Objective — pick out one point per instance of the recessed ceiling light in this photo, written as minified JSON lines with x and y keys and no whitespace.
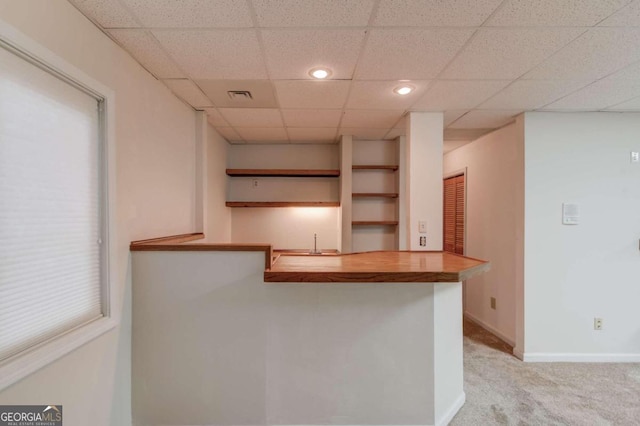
{"x":405,"y":89}
{"x":320,"y":73}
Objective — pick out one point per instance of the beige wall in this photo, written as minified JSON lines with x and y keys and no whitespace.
{"x":494,"y":212}
{"x":154,"y":137}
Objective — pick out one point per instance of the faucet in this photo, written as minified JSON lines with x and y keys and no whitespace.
{"x":315,"y":245}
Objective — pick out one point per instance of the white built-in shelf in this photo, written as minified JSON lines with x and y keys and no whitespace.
{"x":390,"y":167}
{"x":374,"y":223}
{"x":282,"y":173}
{"x":375,"y":195}
{"x":283,"y":204}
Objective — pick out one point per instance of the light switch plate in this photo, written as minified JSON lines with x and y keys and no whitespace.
{"x":570,"y":214}
{"x":422,"y":227}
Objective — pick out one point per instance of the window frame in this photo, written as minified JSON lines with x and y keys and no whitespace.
{"x":29,"y":361}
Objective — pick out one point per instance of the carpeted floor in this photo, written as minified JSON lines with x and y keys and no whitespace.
{"x":502,"y":390}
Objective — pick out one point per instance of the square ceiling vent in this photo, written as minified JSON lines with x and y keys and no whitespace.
{"x":239,"y":93}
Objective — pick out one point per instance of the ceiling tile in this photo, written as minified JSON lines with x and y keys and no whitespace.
{"x":402,"y":123}
{"x":191,"y":13}
{"x":530,"y":94}
{"x":415,"y":54}
{"x":188,"y":92}
{"x":107,"y":13}
{"x":252,"y":117}
{"x":594,"y":55}
{"x":219,"y":54}
{"x":215,"y":118}
{"x":453,"y":115}
{"x":312,"y":94}
{"x":313,"y":13}
{"x":380,"y":94}
{"x":229,"y":134}
{"x":312,"y":134}
{"x":501,"y":53}
{"x":631,"y":105}
{"x":365,"y":133}
{"x":477,"y":119}
{"x":146,"y":49}
{"x":599,"y":95}
{"x":394,"y":133}
{"x":553,"y":13}
{"x":375,"y":119}
{"x":631,"y":72}
{"x":458,"y":94}
{"x":292,"y":53}
{"x":262,"y":95}
{"x":311,"y":117}
{"x":626,"y":17}
{"x":434,"y":13}
{"x":263,"y":134}
{"x":464,"y":135}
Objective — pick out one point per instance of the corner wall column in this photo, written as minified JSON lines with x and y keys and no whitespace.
{"x":200,"y":189}
{"x":423,"y":179}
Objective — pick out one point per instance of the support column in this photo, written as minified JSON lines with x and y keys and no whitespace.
{"x":423,"y":178}
{"x":200,"y":196}
{"x":346,"y":164}
{"x":403,"y":214}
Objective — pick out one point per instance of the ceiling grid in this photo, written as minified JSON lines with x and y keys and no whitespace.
{"x":480,"y":62}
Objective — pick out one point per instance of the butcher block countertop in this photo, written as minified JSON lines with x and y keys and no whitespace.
{"x":330,"y":267}
{"x":377,"y":266}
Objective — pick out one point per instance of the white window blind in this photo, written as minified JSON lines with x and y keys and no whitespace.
{"x":50,"y":206}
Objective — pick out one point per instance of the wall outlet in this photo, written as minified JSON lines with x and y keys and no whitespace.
{"x":254,"y":183}
{"x":423,"y":241}
{"x":493,"y":303}
{"x":597,"y":323}
{"x":635,"y":157}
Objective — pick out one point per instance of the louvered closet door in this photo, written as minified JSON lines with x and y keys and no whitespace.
{"x":453,"y":238}
{"x":459,"y":244}
{"x":449,"y":242}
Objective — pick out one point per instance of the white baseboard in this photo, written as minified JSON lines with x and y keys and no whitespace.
{"x":452,"y":411}
{"x":489,"y":328}
{"x":578,"y":357}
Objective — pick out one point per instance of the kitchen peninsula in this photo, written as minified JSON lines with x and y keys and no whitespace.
{"x":246,"y":337}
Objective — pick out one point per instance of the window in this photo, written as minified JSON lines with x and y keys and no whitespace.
{"x":54,"y":254}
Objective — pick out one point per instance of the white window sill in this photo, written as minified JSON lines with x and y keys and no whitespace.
{"x":22,"y":365}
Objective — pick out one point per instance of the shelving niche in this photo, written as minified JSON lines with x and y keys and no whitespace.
{"x":375,"y":196}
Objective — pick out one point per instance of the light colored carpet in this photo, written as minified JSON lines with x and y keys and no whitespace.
{"x":502,"y":390}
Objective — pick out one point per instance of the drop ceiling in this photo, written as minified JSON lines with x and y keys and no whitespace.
{"x":481,"y":62}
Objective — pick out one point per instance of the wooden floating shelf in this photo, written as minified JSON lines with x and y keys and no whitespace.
{"x":374,"y":223}
{"x":375,"y":167}
{"x":282,"y":204}
{"x":283,"y":173}
{"x":375,"y":194}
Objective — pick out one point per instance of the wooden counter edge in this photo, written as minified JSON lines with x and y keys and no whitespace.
{"x":172,"y":239}
{"x":382,"y":276}
{"x":361,"y":277}
{"x":176,"y":243}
